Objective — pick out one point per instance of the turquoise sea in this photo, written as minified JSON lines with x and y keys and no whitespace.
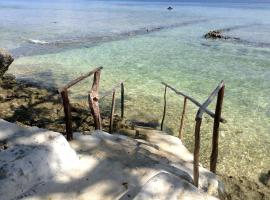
{"x":55,"y":41}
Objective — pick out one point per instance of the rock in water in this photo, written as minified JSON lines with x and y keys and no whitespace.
{"x":265,"y":178}
{"x":5,"y":60}
{"x":218,"y":34}
{"x":214,"y":35}
{"x":169,"y":8}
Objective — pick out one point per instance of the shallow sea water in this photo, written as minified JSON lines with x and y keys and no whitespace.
{"x":179,"y":56}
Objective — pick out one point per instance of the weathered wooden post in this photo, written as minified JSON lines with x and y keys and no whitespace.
{"x":182,"y":119}
{"x":197,"y":151}
{"x":214,"y":154}
{"x":112,"y":111}
{"x":164,"y":110}
{"x":67,"y":111}
{"x":93,"y":101}
{"x":122,"y":100}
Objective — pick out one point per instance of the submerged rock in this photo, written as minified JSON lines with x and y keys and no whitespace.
{"x":215,"y":35}
{"x":218,"y":34}
{"x":5,"y":60}
{"x":265,"y":178}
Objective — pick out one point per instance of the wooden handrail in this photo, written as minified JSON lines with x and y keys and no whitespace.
{"x":214,"y":154}
{"x":211,"y":97}
{"x":112,"y":112}
{"x":164,"y":108}
{"x":112,"y":92}
{"x":180,"y":135}
{"x":218,"y":91}
{"x":77,"y":80}
{"x":93,"y":101}
{"x":210,"y":113}
{"x":196,"y":153}
{"x":67,"y":111}
{"x":122,"y":100}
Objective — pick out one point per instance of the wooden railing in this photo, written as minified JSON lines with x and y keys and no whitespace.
{"x":219,"y":91}
{"x":112,"y":92}
{"x":92,"y":98}
{"x":93,"y":101}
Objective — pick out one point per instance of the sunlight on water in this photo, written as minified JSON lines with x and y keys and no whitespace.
{"x":184,"y":59}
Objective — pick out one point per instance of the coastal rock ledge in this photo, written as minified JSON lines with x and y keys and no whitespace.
{"x":5,"y":60}
{"x":40,"y":164}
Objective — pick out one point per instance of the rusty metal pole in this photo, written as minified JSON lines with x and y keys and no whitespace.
{"x":214,"y":154}
{"x":182,"y":123}
{"x":67,"y":111}
{"x":197,"y":152}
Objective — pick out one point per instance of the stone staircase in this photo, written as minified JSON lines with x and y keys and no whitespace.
{"x":149,"y":164}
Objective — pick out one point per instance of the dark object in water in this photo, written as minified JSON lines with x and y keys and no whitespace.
{"x":169,"y":8}
{"x":265,"y":178}
{"x":3,"y":145}
{"x":215,"y":35}
{"x":151,"y":124}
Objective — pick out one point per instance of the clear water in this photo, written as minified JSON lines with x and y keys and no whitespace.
{"x":84,"y":34}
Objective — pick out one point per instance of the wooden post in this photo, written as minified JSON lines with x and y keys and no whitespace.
{"x":122,"y":100}
{"x":197,"y":152}
{"x":182,"y":119}
{"x":164,"y":110}
{"x":93,"y":101}
{"x":112,"y":111}
{"x":214,"y":154}
{"x":67,"y":111}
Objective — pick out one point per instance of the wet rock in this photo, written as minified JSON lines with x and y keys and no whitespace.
{"x":215,"y":35}
{"x":169,"y":8}
{"x":265,"y":178}
{"x":3,"y":145}
{"x":218,"y":34}
{"x":5,"y":60}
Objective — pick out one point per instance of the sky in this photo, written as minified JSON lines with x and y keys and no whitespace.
{"x":207,"y":1}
